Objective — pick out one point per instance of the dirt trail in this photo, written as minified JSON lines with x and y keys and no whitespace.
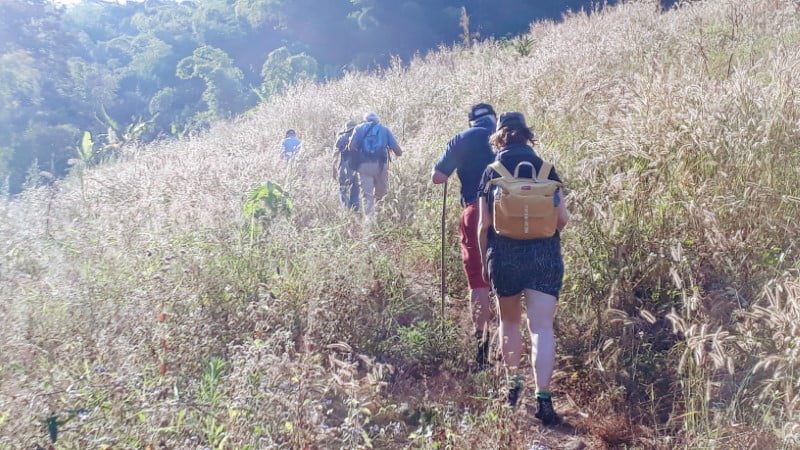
{"x":479,"y":392}
{"x":457,"y":392}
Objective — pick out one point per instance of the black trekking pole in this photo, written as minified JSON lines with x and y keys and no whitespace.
{"x":444,"y":272}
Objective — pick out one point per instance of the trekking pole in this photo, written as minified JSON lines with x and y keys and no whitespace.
{"x":444,"y":272}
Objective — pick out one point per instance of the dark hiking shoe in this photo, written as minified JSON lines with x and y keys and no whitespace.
{"x":514,"y":391}
{"x":546,"y":413}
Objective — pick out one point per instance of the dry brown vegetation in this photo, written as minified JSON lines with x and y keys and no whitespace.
{"x":143,"y":308}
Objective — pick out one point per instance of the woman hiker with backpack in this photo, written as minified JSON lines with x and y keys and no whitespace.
{"x":520,"y":248}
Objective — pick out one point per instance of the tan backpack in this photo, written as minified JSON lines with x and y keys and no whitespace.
{"x":524,"y":208}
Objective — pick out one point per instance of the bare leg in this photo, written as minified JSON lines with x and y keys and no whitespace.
{"x":541,"y":313}
{"x":481,"y":309}
{"x":510,"y":309}
{"x":481,"y":314}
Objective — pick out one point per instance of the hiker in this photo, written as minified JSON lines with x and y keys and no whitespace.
{"x":347,"y":175}
{"x":371,"y":143}
{"x":290,"y":145}
{"x":519,"y":266}
{"x":468,"y":153}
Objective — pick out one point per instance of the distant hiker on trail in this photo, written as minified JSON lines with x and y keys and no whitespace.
{"x":347,"y":175}
{"x":290,"y":145}
{"x":469,"y":153}
{"x":521,"y":218}
{"x":371,"y":143}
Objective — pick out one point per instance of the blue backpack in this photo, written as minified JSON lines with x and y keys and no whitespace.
{"x":374,"y":142}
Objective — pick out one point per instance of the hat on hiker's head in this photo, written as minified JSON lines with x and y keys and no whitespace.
{"x":480,"y":110}
{"x":511,"y":120}
{"x":349,"y":125}
{"x":371,"y":117}
{"x":290,"y":132}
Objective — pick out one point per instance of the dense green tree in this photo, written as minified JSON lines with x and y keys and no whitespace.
{"x":20,"y":90}
{"x":224,"y":93}
{"x":34,"y":110}
{"x":102,"y":20}
{"x":216,"y":23}
{"x":170,"y":21}
{"x":47,"y":148}
{"x":282,"y":68}
{"x":34,"y":26}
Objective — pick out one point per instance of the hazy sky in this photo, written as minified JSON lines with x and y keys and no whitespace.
{"x":72,"y":2}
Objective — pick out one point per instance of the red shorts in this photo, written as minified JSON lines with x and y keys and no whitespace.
{"x":470,"y":251}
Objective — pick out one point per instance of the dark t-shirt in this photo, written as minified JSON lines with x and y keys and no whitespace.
{"x":468,"y":153}
{"x":342,"y":140}
{"x":510,"y":157}
{"x":346,"y":157}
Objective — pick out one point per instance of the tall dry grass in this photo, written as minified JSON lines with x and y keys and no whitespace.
{"x":140,"y":308}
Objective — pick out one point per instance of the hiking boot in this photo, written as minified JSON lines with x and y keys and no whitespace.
{"x":514,"y":391}
{"x":546,"y":413}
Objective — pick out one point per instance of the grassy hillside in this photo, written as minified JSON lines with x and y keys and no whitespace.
{"x":146,"y":303}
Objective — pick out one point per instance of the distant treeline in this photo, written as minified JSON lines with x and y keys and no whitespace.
{"x":141,"y":70}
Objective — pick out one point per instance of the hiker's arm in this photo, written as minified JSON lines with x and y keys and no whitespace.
{"x":446,"y":164}
{"x":341,"y":143}
{"x":483,"y":234}
{"x":563,"y":215}
{"x":351,"y":143}
{"x":393,"y":145}
{"x":438,"y":177}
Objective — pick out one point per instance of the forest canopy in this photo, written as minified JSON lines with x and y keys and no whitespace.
{"x":140,"y":70}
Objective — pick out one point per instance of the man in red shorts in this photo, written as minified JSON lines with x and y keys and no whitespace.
{"x":469,"y":153}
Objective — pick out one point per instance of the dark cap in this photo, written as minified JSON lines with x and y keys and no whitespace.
{"x":514,"y":120}
{"x":480,"y":110}
{"x":349,"y":125}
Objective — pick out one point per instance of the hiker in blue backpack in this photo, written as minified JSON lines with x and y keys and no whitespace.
{"x":347,"y":175}
{"x":371,"y":143}
{"x":516,"y":267}
{"x":468,"y":153}
{"x":290,"y":145}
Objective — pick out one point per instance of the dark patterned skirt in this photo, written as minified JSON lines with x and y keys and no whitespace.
{"x":515,"y":265}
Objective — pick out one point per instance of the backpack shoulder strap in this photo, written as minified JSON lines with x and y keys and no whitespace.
{"x":498,"y":167}
{"x":544,"y":171}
